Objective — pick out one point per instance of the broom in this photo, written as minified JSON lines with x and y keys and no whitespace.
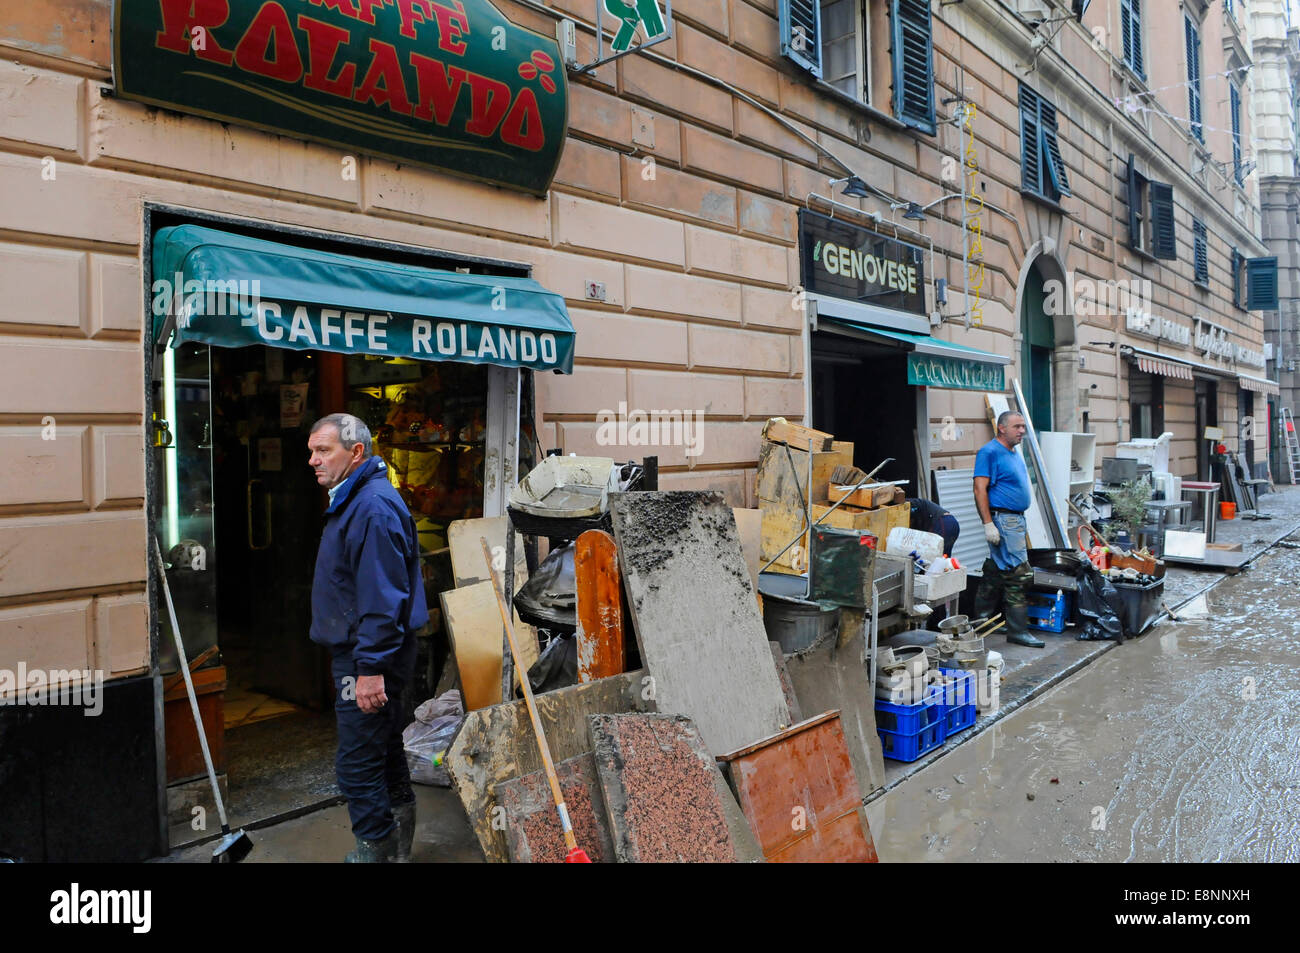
{"x":576,"y":854}
{"x":233,"y":847}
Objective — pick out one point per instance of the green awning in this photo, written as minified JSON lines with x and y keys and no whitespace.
{"x":935,"y":363}
{"x":236,"y":291}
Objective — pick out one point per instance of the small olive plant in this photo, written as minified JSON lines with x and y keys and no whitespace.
{"x":1129,"y":506}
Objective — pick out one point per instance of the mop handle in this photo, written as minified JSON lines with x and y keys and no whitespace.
{"x":189,"y":688}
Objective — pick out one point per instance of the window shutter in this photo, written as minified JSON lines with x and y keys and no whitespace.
{"x":1031,"y":173}
{"x":1261,"y":284}
{"x":1054,"y":164}
{"x":1200,"y":252}
{"x":800,"y":22}
{"x":1163,"y":243}
{"x":913,"y":55}
{"x":1194,"y":78}
{"x":1237,"y":259}
{"x":1234,"y":99}
{"x":1134,"y":196}
{"x":1126,"y":30}
{"x":1135,"y":20}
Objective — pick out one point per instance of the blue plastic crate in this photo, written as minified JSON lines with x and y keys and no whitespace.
{"x":900,"y":747}
{"x":1049,"y":613}
{"x":958,"y":701}
{"x":909,"y":719}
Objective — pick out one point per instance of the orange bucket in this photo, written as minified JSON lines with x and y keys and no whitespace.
{"x":1227,"y":511}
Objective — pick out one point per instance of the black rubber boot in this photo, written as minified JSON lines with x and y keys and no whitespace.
{"x":1018,"y":628}
{"x":374,"y":851}
{"x":404,"y":814}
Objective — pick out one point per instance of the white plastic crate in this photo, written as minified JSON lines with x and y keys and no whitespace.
{"x":941,"y":585}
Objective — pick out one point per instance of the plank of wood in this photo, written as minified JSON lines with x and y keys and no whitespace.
{"x":780,"y":430}
{"x":473,"y":621}
{"x":777,"y":482}
{"x":868,"y":497}
{"x":796,"y":789}
{"x":695,"y":615}
{"x":497,"y":744}
{"x":660,"y":794}
{"x":467,"y":563}
{"x":780,"y":523}
{"x":532,"y":826}
{"x":599,"y":606}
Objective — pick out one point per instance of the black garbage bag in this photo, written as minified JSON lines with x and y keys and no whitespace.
{"x":1101,"y":605}
{"x":557,"y":667}
{"x":549,"y":598}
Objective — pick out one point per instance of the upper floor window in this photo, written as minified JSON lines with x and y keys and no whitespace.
{"x":1130,"y":22}
{"x":1200,"y":253}
{"x":1042,"y":170}
{"x":831,"y":39}
{"x":1193,"y":36}
{"x":1150,"y":215}
{"x":1234,"y":105}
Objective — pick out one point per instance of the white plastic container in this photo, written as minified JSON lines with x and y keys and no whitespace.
{"x":1148,"y":450}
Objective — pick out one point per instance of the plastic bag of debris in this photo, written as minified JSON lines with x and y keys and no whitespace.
{"x":1101,"y":606}
{"x":428,"y":737}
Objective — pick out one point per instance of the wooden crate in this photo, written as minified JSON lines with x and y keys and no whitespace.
{"x":777,"y":484}
{"x":184,"y":756}
{"x":782,"y":522}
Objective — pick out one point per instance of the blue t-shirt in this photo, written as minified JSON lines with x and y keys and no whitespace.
{"x":1008,"y":478}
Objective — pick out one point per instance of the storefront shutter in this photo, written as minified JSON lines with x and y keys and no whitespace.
{"x":1261,"y":284}
{"x":1237,"y":259}
{"x":1194,"y":78}
{"x":1163,"y":243}
{"x":1234,"y":100}
{"x":1134,"y":197}
{"x":1200,"y":252}
{"x":913,"y":56}
{"x":1031,"y":172}
{"x":800,"y":22}
{"x":1054,"y":163}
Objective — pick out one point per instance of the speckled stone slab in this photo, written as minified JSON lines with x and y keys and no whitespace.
{"x":660,"y":789}
{"x":533,"y":832}
{"x":696,"y":616}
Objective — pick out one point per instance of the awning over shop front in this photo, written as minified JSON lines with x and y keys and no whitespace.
{"x":1260,"y":385}
{"x":1156,"y":365}
{"x":235,"y":291}
{"x":1166,"y":365}
{"x":935,"y":363}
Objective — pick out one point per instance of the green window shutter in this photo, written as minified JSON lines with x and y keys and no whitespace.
{"x":1031,"y":156}
{"x":1053,"y":163}
{"x":913,"y":61}
{"x":800,"y":23}
{"x":1261,"y":284}
{"x":1134,"y":197}
{"x":1163,"y":242}
{"x":1237,"y":259}
{"x":1200,"y":252}
{"x":1234,"y":102}
{"x":1130,"y":18}
{"x":1193,"y":78}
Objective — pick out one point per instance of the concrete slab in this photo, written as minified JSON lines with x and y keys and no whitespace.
{"x":696,"y":615}
{"x":660,"y":788}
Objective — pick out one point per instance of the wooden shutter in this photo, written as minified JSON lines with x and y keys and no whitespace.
{"x":1053,"y":163}
{"x":1200,"y":252}
{"x":800,"y":23}
{"x":1194,"y":78}
{"x":1237,"y":259}
{"x":913,"y":61}
{"x":1163,"y":243}
{"x":1130,"y":21}
{"x":1234,"y":100}
{"x":1134,"y":197}
{"x":1031,"y":165}
{"x":1261,"y":284}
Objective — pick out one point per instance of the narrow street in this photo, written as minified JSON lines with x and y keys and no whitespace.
{"x":1180,"y":746}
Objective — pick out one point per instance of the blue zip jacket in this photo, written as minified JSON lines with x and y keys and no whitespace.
{"x":368,"y":592}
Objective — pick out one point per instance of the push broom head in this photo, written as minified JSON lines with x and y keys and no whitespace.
{"x":232,"y":848}
{"x":577,"y":856}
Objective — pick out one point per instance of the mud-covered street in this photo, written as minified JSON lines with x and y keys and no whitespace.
{"x":1183,"y":745}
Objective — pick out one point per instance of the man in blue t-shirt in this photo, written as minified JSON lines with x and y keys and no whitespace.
{"x":1002,"y":496}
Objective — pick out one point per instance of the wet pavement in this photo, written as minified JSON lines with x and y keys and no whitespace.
{"x":1179,"y":746}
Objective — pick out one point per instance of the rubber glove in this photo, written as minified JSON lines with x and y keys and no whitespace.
{"x":991,"y":534}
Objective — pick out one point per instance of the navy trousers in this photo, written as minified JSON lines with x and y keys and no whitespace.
{"x":371,"y":760}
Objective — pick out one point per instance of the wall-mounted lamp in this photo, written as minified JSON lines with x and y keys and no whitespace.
{"x":853,"y":187}
{"x":914,"y":212}
{"x":1101,"y":343}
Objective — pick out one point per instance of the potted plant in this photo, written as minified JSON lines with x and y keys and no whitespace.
{"x":1129,"y":510}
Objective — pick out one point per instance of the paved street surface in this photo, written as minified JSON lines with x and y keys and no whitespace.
{"x":1184,"y":744}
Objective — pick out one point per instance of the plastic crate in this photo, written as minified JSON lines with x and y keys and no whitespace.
{"x":958,"y":701}
{"x":1049,"y":613}
{"x":1141,"y":604}
{"x":909,"y":719}
{"x":900,"y":747}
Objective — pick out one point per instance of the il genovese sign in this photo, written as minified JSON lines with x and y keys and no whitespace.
{"x":450,"y":84}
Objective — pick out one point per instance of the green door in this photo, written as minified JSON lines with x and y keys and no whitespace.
{"x":1038,"y":342}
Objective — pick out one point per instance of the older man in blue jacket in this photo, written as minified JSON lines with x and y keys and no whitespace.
{"x":367,"y":604}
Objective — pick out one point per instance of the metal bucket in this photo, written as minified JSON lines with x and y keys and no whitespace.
{"x":797,"y":624}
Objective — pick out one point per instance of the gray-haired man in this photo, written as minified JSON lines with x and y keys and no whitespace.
{"x":367,"y":604}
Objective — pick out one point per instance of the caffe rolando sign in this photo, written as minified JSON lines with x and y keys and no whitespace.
{"x":450,"y":84}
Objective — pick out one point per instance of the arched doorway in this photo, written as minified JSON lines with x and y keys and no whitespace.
{"x":1037,"y":347}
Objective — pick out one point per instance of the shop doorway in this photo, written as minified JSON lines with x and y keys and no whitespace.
{"x":860,"y":393}
{"x":1207,"y":415}
{"x":1037,"y":346}
{"x":239,"y":518}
